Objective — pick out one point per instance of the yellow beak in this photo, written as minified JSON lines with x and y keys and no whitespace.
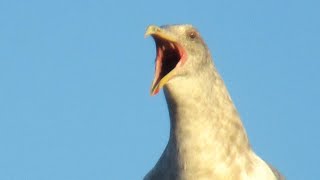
{"x":161,"y":33}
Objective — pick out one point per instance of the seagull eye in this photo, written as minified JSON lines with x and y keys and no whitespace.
{"x":192,"y":34}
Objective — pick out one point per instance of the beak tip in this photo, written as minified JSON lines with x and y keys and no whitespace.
{"x":154,"y":91}
{"x":146,"y":35}
{"x":151,"y":30}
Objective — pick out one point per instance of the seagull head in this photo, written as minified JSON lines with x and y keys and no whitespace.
{"x":181,"y":52}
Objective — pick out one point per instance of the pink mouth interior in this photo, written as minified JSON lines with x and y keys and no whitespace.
{"x":169,"y":56}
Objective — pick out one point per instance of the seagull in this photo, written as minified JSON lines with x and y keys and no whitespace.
{"x":207,"y":138}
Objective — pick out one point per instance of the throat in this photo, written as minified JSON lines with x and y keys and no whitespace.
{"x":205,"y":126}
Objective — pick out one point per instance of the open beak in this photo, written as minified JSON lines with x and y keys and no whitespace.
{"x":170,"y":55}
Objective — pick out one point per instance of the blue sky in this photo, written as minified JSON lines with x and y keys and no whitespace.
{"x":75,"y":79}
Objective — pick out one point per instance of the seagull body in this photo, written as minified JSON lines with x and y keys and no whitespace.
{"x":207,"y":139}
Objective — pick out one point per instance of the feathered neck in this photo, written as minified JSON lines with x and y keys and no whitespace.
{"x":206,"y":131}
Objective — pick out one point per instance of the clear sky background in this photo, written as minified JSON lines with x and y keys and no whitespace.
{"x":75,"y":79}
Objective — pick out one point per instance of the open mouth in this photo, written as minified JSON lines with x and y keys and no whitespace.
{"x":169,"y":56}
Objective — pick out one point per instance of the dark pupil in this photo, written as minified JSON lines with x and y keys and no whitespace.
{"x":192,"y":35}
